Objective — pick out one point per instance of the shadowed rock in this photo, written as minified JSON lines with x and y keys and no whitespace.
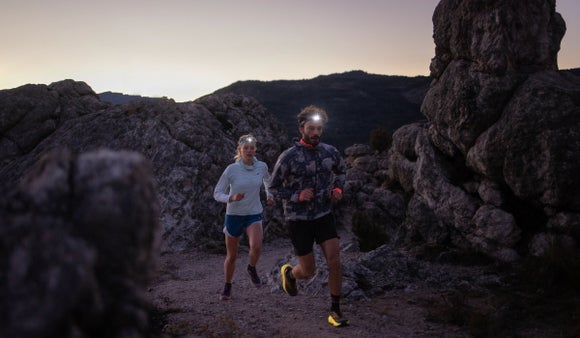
{"x":497,"y":164}
{"x":79,"y":237}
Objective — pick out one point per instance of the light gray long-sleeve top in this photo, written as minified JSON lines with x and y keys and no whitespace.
{"x":246,"y":179}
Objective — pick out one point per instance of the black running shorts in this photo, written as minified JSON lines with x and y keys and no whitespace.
{"x":303,"y":234}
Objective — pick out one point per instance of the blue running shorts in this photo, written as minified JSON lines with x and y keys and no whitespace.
{"x":236,"y":224}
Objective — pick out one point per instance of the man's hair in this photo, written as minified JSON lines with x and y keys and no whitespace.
{"x":309,"y":113}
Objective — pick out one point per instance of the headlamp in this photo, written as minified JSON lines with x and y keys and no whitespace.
{"x":314,"y":117}
{"x":248,"y":139}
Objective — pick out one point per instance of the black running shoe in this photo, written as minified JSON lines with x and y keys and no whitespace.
{"x":288,"y":283}
{"x":254,"y":276}
{"x":337,"y":320}
{"x":227,"y":293}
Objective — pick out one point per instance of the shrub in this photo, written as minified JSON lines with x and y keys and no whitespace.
{"x":380,"y":139}
{"x":367,"y":227}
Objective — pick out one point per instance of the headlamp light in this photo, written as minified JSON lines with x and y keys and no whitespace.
{"x":314,"y":117}
{"x":247,"y":140}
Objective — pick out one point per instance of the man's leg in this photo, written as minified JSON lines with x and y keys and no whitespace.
{"x":289,"y":274}
{"x":305,"y":268}
{"x":331,"y":250}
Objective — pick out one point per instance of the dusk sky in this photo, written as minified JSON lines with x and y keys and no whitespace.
{"x":184,"y":49}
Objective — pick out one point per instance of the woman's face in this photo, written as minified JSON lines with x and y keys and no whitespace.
{"x":247,"y":151}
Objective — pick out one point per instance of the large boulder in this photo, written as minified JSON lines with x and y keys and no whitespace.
{"x":189,"y":145}
{"x":496,"y":166}
{"x":79,"y":239}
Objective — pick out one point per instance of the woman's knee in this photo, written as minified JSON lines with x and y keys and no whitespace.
{"x":231,"y":257}
{"x":256,"y":249}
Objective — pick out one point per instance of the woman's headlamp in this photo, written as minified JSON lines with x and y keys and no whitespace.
{"x":248,"y":139}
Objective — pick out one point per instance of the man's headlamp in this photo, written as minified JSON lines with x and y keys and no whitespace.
{"x":314,"y":117}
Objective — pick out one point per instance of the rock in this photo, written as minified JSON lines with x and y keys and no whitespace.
{"x":79,"y":240}
{"x":188,"y":144}
{"x":497,"y":161}
{"x":544,"y":244}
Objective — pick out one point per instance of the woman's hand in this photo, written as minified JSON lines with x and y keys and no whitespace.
{"x":237,"y":197}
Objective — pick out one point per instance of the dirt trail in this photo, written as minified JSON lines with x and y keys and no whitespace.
{"x":186,"y":293}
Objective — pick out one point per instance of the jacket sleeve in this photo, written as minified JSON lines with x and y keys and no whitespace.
{"x":267,"y":179}
{"x":221,"y":190}
{"x":278,"y":182}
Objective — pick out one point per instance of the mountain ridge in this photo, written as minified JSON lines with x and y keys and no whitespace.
{"x":356,"y":101}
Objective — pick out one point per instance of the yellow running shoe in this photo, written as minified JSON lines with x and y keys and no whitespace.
{"x":337,"y":320}
{"x":288,"y":283}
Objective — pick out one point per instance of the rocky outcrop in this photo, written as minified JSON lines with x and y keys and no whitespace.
{"x":79,"y":238}
{"x":188,"y":144}
{"x":495,"y":168}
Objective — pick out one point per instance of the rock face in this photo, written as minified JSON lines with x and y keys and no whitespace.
{"x":189,"y":145}
{"x":78,"y":243}
{"x":496,"y":167}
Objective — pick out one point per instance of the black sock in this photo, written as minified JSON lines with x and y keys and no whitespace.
{"x":251,"y":268}
{"x":335,"y":305}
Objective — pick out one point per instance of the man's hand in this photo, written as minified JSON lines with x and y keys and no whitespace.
{"x":336,"y":194}
{"x":306,"y":195}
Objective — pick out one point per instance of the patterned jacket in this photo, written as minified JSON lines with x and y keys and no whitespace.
{"x":302,"y":166}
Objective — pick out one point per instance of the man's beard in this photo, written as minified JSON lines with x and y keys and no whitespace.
{"x":312,"y":140}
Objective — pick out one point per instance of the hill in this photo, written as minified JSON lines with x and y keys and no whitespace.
{"x":357,"y":102}
{"x":120,"y":98}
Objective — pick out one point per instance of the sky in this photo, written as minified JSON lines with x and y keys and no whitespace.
{"x":184,"y":49}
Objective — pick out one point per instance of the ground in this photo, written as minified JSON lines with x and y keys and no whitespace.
{"x":185,"y":294}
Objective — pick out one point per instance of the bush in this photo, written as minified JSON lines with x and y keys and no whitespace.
{"x":367,"y":227}
{"x":380,"y":139}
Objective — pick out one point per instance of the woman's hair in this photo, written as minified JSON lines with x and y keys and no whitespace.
{"x":311,"y":113}
{"x":248,"y":138}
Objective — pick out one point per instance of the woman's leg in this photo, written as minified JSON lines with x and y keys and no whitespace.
{"x":232,"y":244}
{"x":255,"y":237}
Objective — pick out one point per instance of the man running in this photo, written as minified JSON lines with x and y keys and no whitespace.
{"x":308,"y":177}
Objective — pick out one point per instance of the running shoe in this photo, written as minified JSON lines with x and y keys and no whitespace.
{"x":337,"y":320}
{"x":288,"y":283}
{"x":254,"y":276}
{"x":227,"y":293}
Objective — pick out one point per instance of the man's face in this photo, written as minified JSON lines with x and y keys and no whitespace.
{"x":311,"y":131}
